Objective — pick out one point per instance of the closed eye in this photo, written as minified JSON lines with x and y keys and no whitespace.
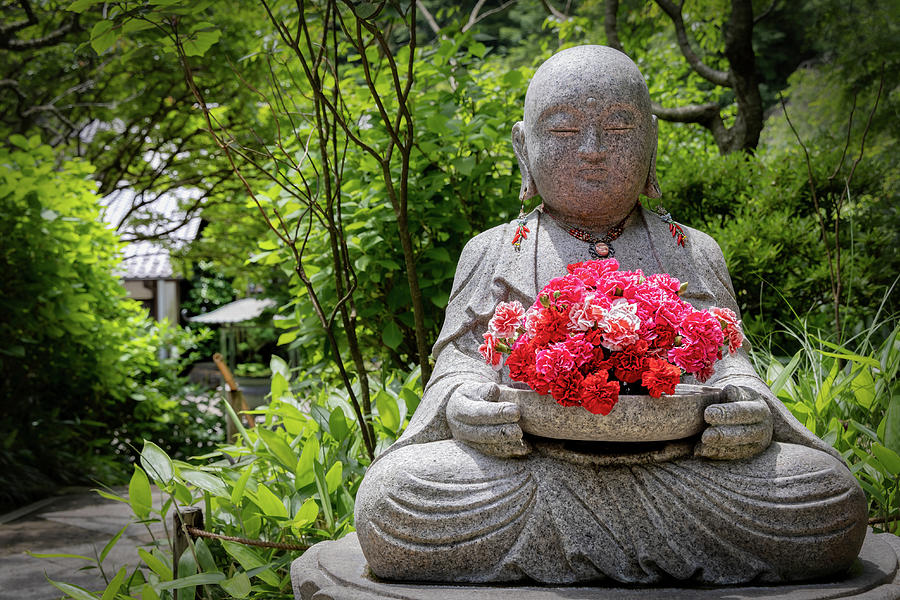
{"x":564,"y":132}
{"x":618,"y":128}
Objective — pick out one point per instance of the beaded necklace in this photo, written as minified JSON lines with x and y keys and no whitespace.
{"x":598,"y":247}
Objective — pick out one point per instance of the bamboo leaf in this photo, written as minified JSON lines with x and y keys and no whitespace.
{"x":139,"y":495}
{"x":271,"y":505}
{"x":888,"y":458}
{"x":206,"y":482}
{"x":193,"y":580}
{"x":109,"y":545}
{"x":72,"y":591}
{"x":115,"y":585}
{"x":238,"y":586}
{"x":278,"y":447}
{"x":237,"y":493}
{"x":156,"y":564}
{"x":786,"y":373}
{"x":157,"y":463}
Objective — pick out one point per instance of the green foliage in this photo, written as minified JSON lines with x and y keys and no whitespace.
{"x":292,"y":479}
{"x":81,"y":361}
{"x":849,"y":395}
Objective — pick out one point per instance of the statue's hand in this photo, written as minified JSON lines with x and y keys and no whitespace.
{"x":479,"y":420}
{"x":739,"y":428}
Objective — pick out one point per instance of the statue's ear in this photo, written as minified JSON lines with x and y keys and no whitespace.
{"x":529,"y":188}
{"x":651,"y":187}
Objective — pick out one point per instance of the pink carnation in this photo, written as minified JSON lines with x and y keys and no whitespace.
{"x":620,"y":326}
{"x":553,"y":361}
{"x":488,"y":350}
{"x":731,"y":327}
{"x":506,"y":319}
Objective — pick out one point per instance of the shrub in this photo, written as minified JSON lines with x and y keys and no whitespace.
{"x":82,"y":376}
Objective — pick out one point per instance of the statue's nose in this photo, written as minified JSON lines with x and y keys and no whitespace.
{"x":592,"y":143}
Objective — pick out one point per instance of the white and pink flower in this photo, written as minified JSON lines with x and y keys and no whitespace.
{"x":620,"y":326}
{"x":507,"y":319}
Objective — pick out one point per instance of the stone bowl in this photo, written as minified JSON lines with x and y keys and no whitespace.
{"x":632,"y":419}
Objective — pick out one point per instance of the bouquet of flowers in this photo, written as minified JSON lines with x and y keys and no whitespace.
{"x":598,"y":331}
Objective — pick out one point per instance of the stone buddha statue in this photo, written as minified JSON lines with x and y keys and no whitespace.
{"x":465,"y":496}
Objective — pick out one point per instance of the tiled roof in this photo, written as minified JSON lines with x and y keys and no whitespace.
{"x":235,"y":312}
{"x":146,"y":259}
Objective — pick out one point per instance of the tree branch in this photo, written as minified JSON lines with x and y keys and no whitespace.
{"x":554,"y":11}
{"x":474,"y":17}
{"x":429,"y":18}
{"x":765,"y":13}
{"x":705,"y":71}
{"x":611,"y":24}
{"x":30,"y":19}
{"x":6,"y":43}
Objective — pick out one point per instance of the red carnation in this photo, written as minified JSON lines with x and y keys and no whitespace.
{"x":598,"y":395}
{"x":660,"y":378}
{"x":630,"y":363}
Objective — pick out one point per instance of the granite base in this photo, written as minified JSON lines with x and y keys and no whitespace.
{"x":337,"y":571}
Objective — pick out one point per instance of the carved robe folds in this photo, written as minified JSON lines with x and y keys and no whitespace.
{"x":433,"y":509}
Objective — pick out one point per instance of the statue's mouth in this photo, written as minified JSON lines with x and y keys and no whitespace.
{"x":592,"y":173}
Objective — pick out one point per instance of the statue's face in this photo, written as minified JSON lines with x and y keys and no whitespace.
{"x":589,"y":133}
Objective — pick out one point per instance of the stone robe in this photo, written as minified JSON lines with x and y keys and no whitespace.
{"x":433,"y":509}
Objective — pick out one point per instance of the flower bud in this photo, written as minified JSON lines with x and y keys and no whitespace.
{"x":678,"y":340}
{"x":501,"y":347}
{"x":682,"y":287}
{"x":618,"y":291}
{"x":545,"y":300}
{"x":557,"y":294}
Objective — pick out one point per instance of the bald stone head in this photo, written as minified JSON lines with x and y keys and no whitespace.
{"x":588,"y":141}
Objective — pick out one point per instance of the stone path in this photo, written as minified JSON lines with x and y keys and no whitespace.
{"x":75,"y":523}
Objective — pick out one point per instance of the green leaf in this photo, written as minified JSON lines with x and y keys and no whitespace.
{"x":863,"y":386}
{"x":322,"y":488}
{"x":134,"y":25}
{"x":139,"y":495}
{"x":102,"y":36}
{"x":786,"y":373}
{"x":364,"y":10}
{"x":387,"y":410}
{"x":237,"y":493}
{"x":392,"y":336}
{"x":304,"y":475}
{"x":148,"y":593}
{"x":72,"y":591}
{"x":337,"y":423}
{"x":238,"y":586}
{"x":478,"y":49}
{"x":156,"y":564}
{"x":81,"y":5}
{"x":892,"y":425}
{"x":287,"y":337}
{"x":58,"y":555}
{"x":306,"y":515}
{"x":115,"y":585}
{"x":205,"y":557}
{"x":250,"y":560}
{"x":157,"y":463}
{"x":183,"y":494}
{"x":192,"y":580}
{"x":271,"y":504}
{"x":200,"y":42}
{"x":867,"y":361}
{"x":334,"y":476}
{"x":111,"y":543}
{"x":206,"y":482}
{"x":887,"y":457}
{"x":278,"y":447}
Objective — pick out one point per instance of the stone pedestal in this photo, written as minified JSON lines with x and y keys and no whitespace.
{"x":337,"y":571}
